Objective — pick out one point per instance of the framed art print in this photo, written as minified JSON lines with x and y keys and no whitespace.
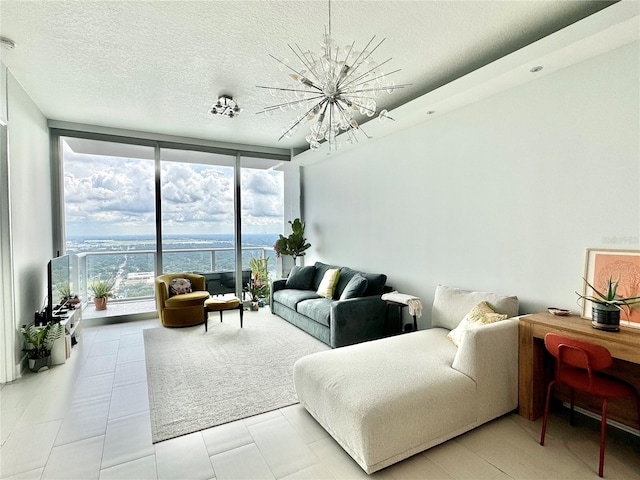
{"x":617,"y":265}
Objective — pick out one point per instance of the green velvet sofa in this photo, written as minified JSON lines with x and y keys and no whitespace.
{"x":354,"y":314}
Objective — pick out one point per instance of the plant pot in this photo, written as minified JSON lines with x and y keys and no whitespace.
{"x":100,"y":303}
{"x":37,"y":364}
{"x":605,"y":317}
{"x":254,"y":306}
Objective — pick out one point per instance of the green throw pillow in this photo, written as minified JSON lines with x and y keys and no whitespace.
{"x":328,"y":283}
{"x":301,"y":278}
{"x":355,"y":288}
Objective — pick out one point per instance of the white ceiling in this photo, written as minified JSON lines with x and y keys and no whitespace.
{"x":158,"y":66}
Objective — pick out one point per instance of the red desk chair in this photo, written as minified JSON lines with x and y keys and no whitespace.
{"x":577,"y":364}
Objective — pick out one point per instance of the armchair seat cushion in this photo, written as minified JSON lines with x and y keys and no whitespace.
{"x":187,"y":299}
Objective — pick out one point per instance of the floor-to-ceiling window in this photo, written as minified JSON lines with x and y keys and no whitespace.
{"x":198,"y":213}
{"x":109,"y":214}
{"x":132,"y":209}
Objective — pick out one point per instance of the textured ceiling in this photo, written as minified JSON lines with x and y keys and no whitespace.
{"x":158,"y":66}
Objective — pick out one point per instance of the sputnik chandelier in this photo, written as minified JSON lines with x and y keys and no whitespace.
{"x":331,"y":89}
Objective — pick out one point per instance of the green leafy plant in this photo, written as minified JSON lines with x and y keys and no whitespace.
{"x":102,"y":288}
{"x":260,"y":273}
{"x":256,"y":291}
{"x":610,"y":297}
{"x":39,"y":340}
{"x":295,"y":244}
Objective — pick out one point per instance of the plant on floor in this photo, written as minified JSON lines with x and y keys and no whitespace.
{"x":39,"y":341}
{"x":101,"y":290}
{"x":260,"y":274}
{"x":295,"y":244}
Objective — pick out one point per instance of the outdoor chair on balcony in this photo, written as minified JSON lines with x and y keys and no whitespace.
{"x":180,"y":303}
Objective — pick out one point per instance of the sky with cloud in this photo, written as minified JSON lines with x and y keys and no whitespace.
{"x":110,"y":195}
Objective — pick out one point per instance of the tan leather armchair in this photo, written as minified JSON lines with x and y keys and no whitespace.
{"x":181,"y":310}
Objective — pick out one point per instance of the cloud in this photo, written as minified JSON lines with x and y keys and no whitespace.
{"x":117,"y":195}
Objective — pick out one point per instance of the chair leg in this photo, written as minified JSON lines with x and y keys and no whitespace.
{"x":572,"y":416}
{"x":220,"y":316}
{"x":206,"y":320}
{"x":241,"y":308}
{"x":603,"y":434}
{"x":546,"y":412}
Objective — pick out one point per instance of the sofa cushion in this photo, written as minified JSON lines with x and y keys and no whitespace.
{"x":290,"y":297}
{"x":328,"y":283}
{"x":481,"y":314}
{"x":355,"y":288}
{"x":318,"y":309}
{"x":301,"y":278}
{"x":450,"y":305}
{"x":321,"y":269}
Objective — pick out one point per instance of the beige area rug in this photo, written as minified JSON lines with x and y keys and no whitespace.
{"x":198,"y":380}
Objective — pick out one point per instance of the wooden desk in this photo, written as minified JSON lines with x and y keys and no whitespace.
{"x":536,"y":365}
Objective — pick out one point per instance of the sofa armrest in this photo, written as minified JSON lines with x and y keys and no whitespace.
{"x":275,"y":286}
{"x":360,"y":319}
{"x":489,"y":356}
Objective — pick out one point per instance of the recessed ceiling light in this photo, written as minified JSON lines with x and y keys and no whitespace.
{"x":535,"y":69}
{"x":7,"y":43}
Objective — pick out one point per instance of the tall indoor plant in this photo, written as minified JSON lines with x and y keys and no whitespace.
{"x":295,"y":244}
{"x":38,"y":343}
{"x":101,"y":291}
{"x":606,"y":306}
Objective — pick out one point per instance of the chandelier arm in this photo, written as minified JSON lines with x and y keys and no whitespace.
{"x":299,"y":121}
{"x":275,"y":107}
{"x":365,"y":133}
{"x":375,"y":78}
{"x":352,"y":80}
{"x":288,"y":66}
{"x":311,"y":83}
{"x":359,"y":61}
{"x":359,"y":105}
{"x":306,"y":62}
{"x":282,"y":89}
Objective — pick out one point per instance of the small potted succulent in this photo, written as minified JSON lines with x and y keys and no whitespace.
{"x":606,"y":306}
{"x":101,"y":291}
{"x":39,"y":341}
{"x":67,"y":296}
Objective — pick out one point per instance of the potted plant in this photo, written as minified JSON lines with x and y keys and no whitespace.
{"x":67,"y":296}
{"x":39,"y":341}
{"x":260,"y":274}
{"x":255,"y":291}
{"x":295,"y":244}
{"x":606,"y":306}
{"x":101,"y":290}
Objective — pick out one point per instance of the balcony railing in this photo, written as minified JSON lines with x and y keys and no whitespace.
{"x":134,"y":270}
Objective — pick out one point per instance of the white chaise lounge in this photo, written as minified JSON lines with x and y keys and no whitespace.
{"x":388,"y":399}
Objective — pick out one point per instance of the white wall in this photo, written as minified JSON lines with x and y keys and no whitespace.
{"x":30,"y":210}
{"x":503,"y":195}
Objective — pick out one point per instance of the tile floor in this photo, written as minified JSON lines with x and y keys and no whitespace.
{"x":89,"y":419}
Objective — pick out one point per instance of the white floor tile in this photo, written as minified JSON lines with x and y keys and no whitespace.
{"x":84,"y":420}
{"x":183,"y":457}
{"x":140,"y":469}
{"x":99,"y":365}
{"x":226,"y":437}
{"x":30,"y":475}
{"x":128,"y":400}
{"x":461,"y":463}
{"x":127,"y":373}
{"x":127,"y":439}
{"x":283,"y":449}
{"x":45,"y":407}
{"x":28,"y":448}
{"x":99,"y":349}
{"x":133,"y":339}
{"x":241,"y":464}
{"x":262,"y":417}
{"x":95,"y":387}
{"x":130,"y":354}
{"x":314,"y":472}
{"x":302,"y":421}
{"x":75,"y":460}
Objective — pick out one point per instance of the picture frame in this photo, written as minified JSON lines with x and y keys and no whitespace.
{"x":602,"y":264}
